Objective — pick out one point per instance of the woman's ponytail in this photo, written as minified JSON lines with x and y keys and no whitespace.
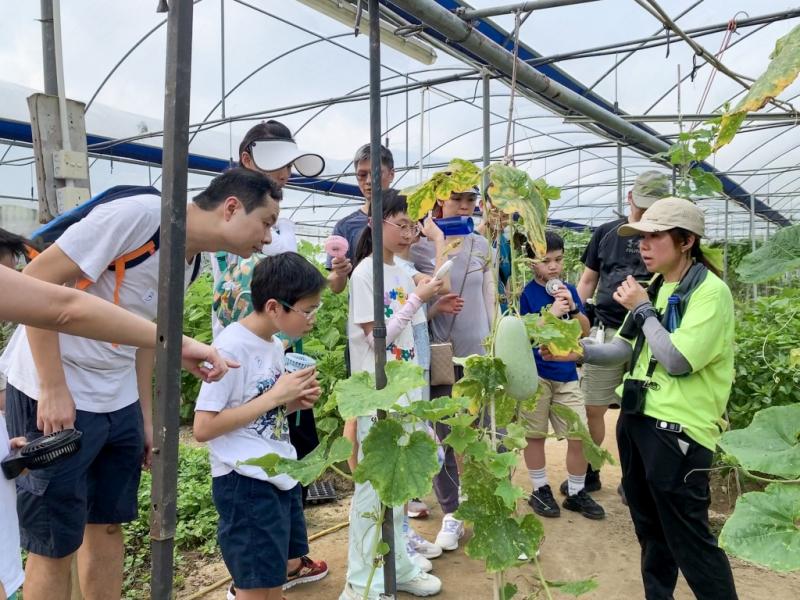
{"x":363,"y":246}
{"x":697,"y":254}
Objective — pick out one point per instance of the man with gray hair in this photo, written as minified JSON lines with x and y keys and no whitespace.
{"x":351,"y":226}
{"x":609,"y":259}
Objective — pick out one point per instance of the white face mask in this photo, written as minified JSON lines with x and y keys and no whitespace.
{"x":507,"y":231}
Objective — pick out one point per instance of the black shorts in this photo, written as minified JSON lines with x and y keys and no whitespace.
{"x":97,"y":485}
{"x":260,"y":528}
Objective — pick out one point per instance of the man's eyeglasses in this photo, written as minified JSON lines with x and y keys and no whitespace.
{"x":408,"y":229}
{"x":308,"y":314}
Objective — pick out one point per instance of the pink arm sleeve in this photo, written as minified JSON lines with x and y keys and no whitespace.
{"x":398,"y":322}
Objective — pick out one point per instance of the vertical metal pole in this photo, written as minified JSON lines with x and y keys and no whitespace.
{"x":487,"y":135}
{"x":421,"y":134}
{"x":725,"y":251}
{"x":48,"y":49}
{"x":752,"y":235}
{"x":379,"y":329}
{"x":406,"y":122}
{"x":619,"y":179}
{"x":222,"y":51}
{"x":172,"y":261}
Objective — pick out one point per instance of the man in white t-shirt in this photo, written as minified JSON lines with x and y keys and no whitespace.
{"x":61,"y":381}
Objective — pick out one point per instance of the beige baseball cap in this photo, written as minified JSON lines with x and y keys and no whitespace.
{"x":649,"y":187}
{"x":667,"y":213}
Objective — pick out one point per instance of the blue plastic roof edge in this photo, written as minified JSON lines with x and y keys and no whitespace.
{"x":732,"y":189}
{"x":21,"y":132}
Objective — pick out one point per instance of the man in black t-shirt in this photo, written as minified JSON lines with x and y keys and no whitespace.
{"x":609,"y":259}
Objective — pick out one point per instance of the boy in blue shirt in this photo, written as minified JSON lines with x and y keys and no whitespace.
{"x":261,"y":523}
{"x":558,"y":382}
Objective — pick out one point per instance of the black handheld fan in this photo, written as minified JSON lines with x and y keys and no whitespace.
{"x":42,"y":452}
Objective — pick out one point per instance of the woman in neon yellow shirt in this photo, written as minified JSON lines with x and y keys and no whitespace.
{"x":678,"y":338}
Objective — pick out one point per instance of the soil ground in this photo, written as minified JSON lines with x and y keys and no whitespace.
{"x":575,"y":548}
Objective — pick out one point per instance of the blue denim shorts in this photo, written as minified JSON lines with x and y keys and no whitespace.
{"x":260,"y":528}
{"x":97,"y":485}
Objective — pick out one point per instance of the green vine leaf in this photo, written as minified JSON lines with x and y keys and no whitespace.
{"x":778,"y":255}
{"x":509,"y":493}
{"x":515,"y":437}
{"x":460,"y":437}
{"x":500,"y":541}
{"x":770,"y":444}
{"x":484,"y":376}
{"x":513,"y":191}
{"x":765,"y":528}
{"x":460,"y":176}
{"x":560,"y":336}
{"x":574,"y":588}
{"x":435,"y":410}
{"x":498,"y":536}
{"x":308,"y":469}
{"x":596,"y":455}
{"x":357,"y":396}
{"x":500,"y":464}
{"x":794,"y":358}
{"x":397,"y":472}
{"x":508,"y":592}
{"x":705,"y":183}
{"x":781,"y":72}
{"x":460,"y":421}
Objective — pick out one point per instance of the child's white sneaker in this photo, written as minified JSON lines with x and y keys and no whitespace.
{"x":423,"y":584}
{"x":452,"y":531}
{"x":420,"y":544}
{"x":417,"y":558}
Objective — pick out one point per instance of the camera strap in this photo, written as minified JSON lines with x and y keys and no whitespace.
{"x":690,"y":281}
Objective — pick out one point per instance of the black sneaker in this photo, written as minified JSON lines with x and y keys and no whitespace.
{"x":584,"y":504}
{"x":591,"y":484}
{"x":543,"y":503}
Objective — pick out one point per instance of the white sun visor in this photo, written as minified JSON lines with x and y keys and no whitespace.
{"x":274,"y":154}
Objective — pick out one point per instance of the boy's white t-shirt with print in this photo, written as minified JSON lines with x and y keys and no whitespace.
{"x":11,"y":573}
{"x":100,"y":376}
{"x":398,"y":286}
{"x":261,"y":366}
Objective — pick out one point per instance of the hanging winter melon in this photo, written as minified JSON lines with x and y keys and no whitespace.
{"x":513,"y":347}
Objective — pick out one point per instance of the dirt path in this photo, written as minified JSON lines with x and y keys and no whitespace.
{"x":574,"y":548}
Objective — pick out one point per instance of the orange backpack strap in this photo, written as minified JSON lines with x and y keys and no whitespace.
{"x":131,"y":259}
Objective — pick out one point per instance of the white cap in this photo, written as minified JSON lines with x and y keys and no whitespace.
{"x":275,"y":153}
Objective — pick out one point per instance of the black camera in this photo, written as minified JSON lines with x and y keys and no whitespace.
{"x":633,"y":396}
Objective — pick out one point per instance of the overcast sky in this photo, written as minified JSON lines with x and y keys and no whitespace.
{"x":96,"y":34}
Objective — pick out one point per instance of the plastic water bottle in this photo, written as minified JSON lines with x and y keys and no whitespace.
{"x":672,"y":313}
{"x":455,"y":225}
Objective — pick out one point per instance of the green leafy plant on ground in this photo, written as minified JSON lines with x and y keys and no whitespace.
{"x":196,"y":324}
{"x":196,"y":526}
{"x":767,"y":330}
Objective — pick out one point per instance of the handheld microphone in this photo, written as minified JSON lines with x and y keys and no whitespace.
{"x":553,"y":285}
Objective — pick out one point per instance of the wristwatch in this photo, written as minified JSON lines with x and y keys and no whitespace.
{"x":574,"y":312}
{"x":644,"y":313}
